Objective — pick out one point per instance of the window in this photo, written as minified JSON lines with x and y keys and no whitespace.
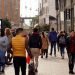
{"x":68,"y":14}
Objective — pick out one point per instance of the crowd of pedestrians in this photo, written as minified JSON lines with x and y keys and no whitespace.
{"x":15,"y":45}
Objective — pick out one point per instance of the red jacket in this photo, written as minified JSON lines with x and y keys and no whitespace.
{"x":72,"y":45}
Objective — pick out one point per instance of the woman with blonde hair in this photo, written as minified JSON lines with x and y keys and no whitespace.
{"x":9,"y":52}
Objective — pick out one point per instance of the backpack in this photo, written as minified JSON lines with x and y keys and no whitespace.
{"x":62,"y":40}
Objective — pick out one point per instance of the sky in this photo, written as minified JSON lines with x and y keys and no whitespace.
{"x":28,"y":8}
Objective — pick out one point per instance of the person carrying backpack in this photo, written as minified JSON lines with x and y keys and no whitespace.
{"x":62,"y":43}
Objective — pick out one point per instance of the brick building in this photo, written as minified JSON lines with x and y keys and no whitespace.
{"x":10,"y":9}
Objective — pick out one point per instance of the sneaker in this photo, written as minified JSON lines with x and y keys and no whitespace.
{"x":36,"y":70}
{"x":62,"y":56}
{"x":50,"y":54}
{"x":47,"y":56}
{"x":2,"y":72}
{"x":71,"y":72}
{"x":55,"y":55}
{"x":41,"y":56}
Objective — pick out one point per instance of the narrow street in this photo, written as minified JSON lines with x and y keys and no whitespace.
{"x":51,"y":66}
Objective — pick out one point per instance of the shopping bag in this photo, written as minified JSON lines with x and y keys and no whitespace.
{"x":28,"y":59}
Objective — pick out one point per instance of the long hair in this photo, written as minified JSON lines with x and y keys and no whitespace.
{"x":7,"y":31}
{"x":43,"y":34}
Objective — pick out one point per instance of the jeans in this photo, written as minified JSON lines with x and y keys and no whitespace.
{"x":62,"y":50}
{"x":71,"y":61}
{"x":53,"y":45}
{"x":19,"y":62}
{"x":2,"y":60}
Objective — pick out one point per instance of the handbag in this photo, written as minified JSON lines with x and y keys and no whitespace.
{"x":28,"y":59}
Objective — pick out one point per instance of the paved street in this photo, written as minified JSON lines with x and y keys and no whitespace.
{"x":51,"y":66}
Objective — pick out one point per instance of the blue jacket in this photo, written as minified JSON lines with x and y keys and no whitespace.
{"x":53,"y":36}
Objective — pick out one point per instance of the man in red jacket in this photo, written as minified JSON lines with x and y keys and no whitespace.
{"x":71,"y":51}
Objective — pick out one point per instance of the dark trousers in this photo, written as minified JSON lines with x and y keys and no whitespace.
{"x":19,"y":62}
{"x":58,"y":47}
{"x":71,"y":61}
{"x":62,"y":50}
{"x":43,"y":52}
{"x":53,"y":45}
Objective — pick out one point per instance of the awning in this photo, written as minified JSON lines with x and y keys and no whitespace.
{"x":52,"y":18}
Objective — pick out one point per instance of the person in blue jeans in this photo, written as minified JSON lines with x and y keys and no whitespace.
{"x":2,"y":60}
{"x":62,"y":43}
{"x":53,"y":40}
{"x":3,"y":47}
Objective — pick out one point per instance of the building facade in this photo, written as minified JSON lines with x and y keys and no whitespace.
{"x":46,"y":11}
{"x":66,"y":15}
{"x":10,"y":9}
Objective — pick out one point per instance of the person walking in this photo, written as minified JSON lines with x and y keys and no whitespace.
{"x":19,"y":46}
{"x":45,"y":44}
{"x":53,"y":40}
{"x":35,"y":44}
{"x":3,"y":48}
{"x":71,"y":51}
{"x":9,"y":51}
{"x":62,"y":43}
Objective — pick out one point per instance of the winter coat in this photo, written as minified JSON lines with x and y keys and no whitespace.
{"x":35,"y":41}
{"x":53,"y":36}
{"x":44,"y":42}
{"x":4,"y":42}
{"x":70,"y":44}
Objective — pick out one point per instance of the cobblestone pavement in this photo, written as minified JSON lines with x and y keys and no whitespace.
{"x":51,"y":66}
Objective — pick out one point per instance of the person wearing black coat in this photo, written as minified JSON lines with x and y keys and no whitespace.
{"x":35,"y":44}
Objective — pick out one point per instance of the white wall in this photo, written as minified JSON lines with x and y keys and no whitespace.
{"x":52,"y":10}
